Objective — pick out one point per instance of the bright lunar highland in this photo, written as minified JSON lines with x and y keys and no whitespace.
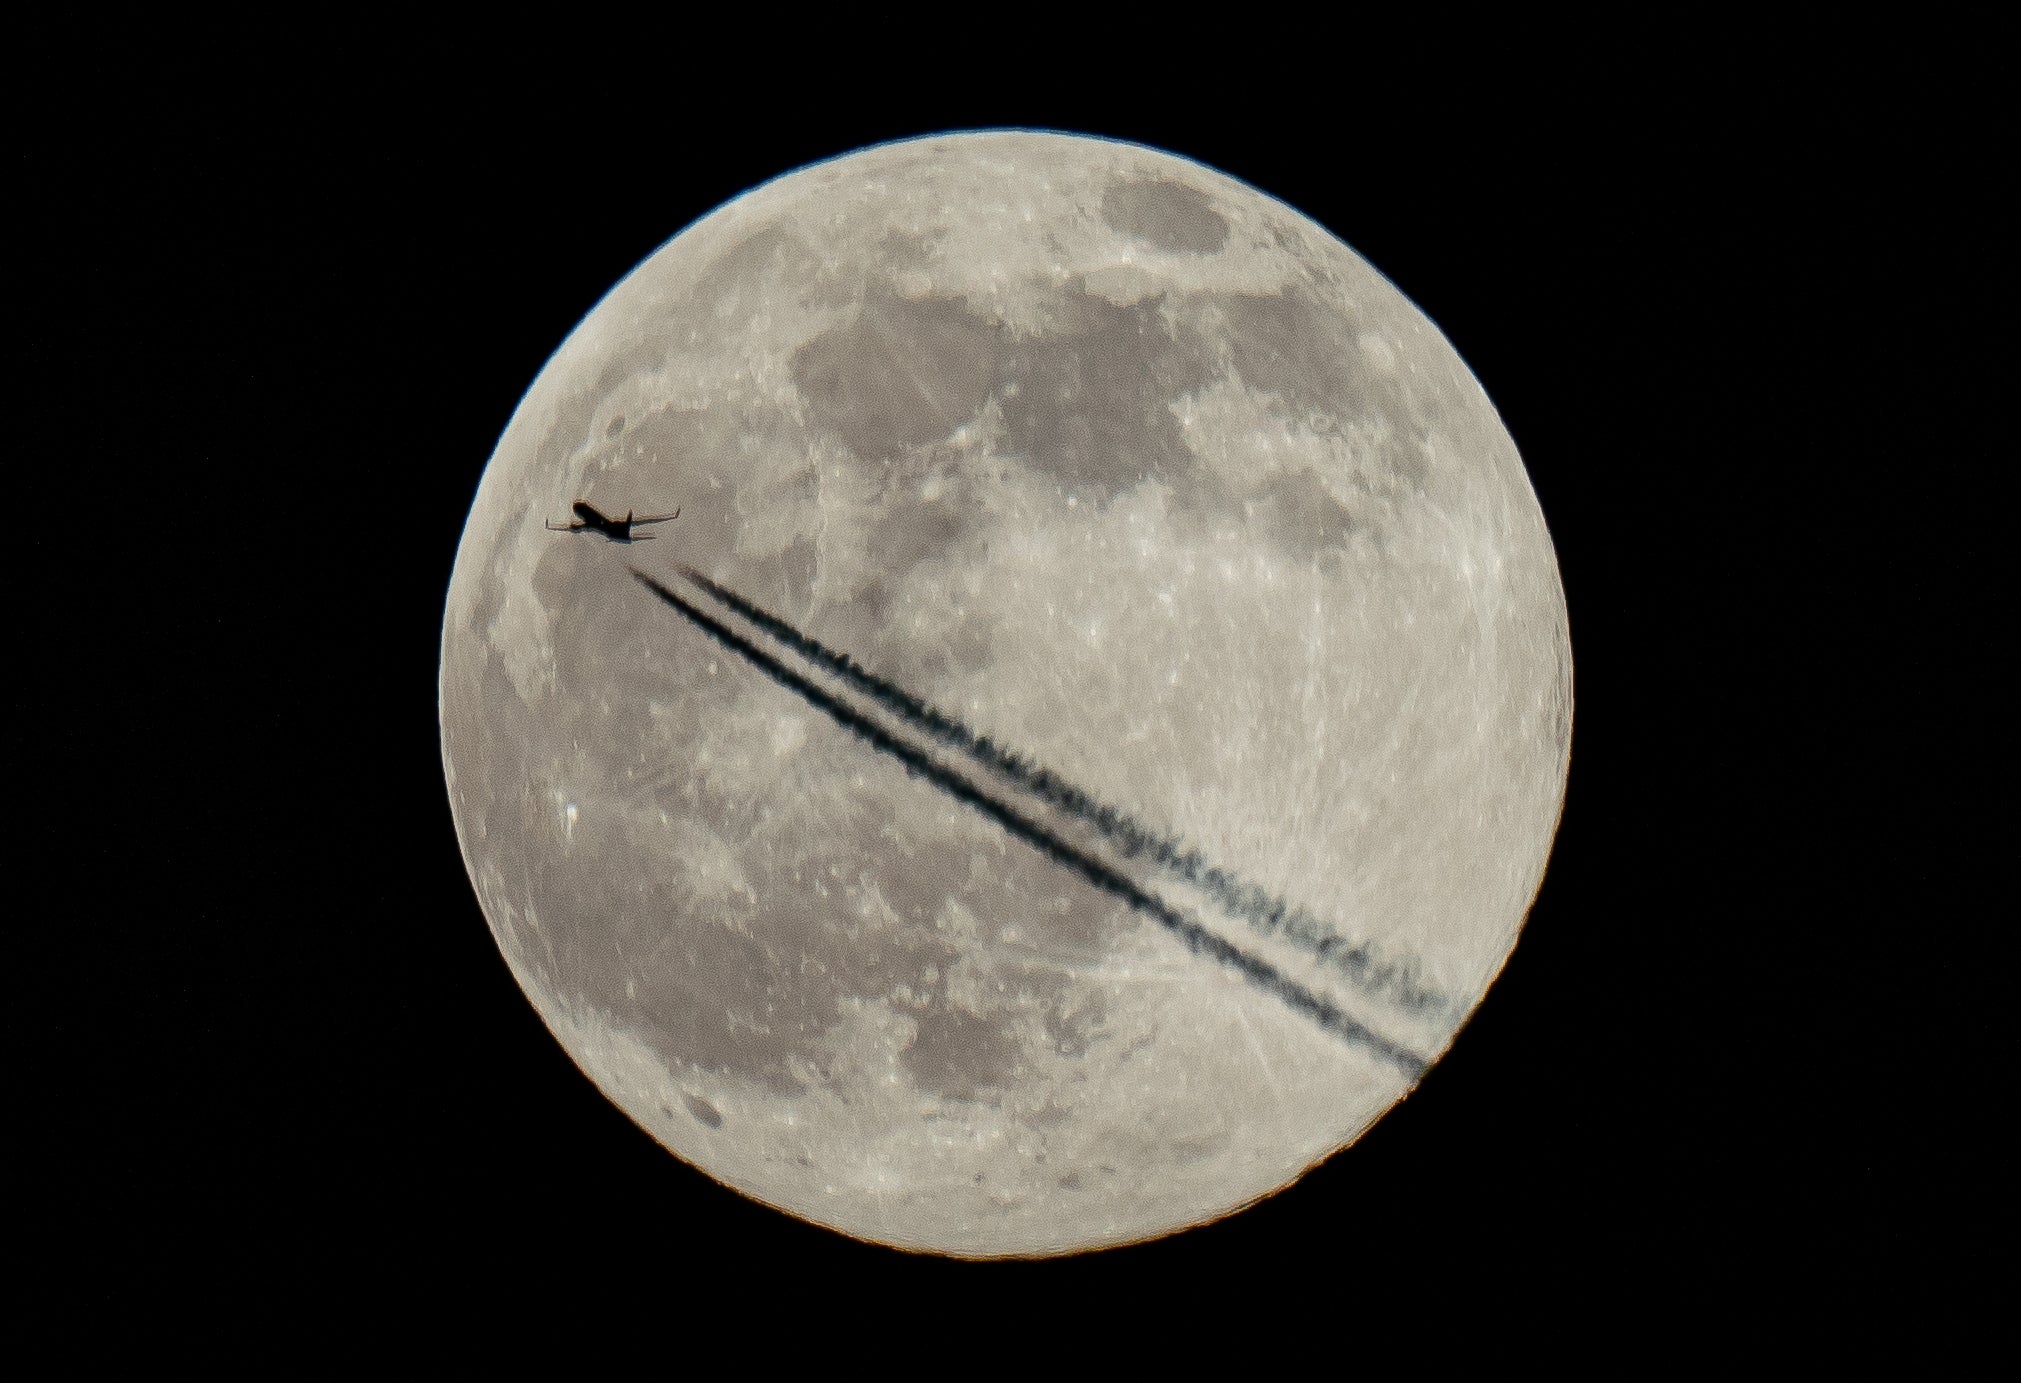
{"x":1091,"y":736}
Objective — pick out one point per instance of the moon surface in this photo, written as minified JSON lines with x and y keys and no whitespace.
{"x":1090,"y":738}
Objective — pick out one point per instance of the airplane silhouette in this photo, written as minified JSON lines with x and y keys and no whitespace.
{"x":589,"y":520}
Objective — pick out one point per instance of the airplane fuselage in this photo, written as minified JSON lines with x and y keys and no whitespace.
{"x":617,"y":530}
{"x":589,"y":519}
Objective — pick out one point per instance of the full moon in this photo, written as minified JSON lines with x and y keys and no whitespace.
{"x":1087,"y":742}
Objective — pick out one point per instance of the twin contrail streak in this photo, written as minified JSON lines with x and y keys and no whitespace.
{"x":917,"y":763}
{"x":1237,"y":897}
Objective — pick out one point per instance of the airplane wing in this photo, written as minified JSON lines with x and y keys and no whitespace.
{"x":656,"y":518}
{"x":554,"y":527}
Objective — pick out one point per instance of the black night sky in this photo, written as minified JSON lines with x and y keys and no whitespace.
{"x":1742,"y":1067}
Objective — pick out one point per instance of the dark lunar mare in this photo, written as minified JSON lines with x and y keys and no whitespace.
{"x":917,"y":764}
{"x":1398,"y":983}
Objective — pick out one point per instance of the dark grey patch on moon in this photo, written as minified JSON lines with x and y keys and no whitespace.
{"x":703,"y":1111}
{"x":1089,"y":402}
{"x":960,"y":1056}
{"x":907,"y":530}
{"x":1199,"y":1147}
{"x":1295,"y":512}
{"x":665,"y":436}
{"x":902,"y":373}
{"x":970,"y":648}
{"x":718,"y":1012}
{"x":1304,"y":351}
{"x":1076,"y":925}
{"x":1169,"y":215}
{"x":700,"y":445}
{"x":739,"y":281}
{"x":1293,"y":346}
{"x":904,"y":537}
{"x":617,"y":425}
{"x":901,"y":250}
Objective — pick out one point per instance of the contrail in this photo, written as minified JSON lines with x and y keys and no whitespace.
{"x":1238,"y":898}
{"x":1197,"y":938}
